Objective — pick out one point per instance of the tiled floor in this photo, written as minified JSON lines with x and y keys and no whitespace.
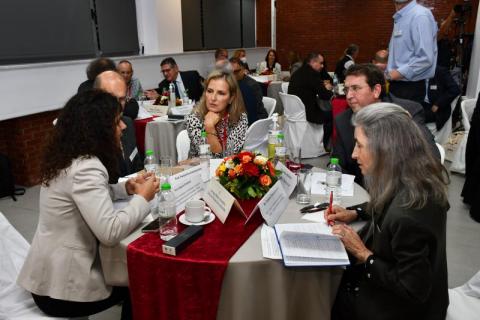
{"x":463,"y":234}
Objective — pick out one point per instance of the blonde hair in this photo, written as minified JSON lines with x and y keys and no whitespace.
{"x":236,"y":53}
{"x":234,"y":109}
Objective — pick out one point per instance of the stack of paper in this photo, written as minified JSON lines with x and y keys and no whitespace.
{"x":310,"y":244}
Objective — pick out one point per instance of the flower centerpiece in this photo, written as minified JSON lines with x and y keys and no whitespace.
{"x":165,"y":97}
{"x":247,"y":175}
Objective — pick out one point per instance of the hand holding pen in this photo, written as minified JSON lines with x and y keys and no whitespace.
{"x":339,"y":214}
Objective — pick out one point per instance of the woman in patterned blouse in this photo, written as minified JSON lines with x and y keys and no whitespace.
{"x":221,"y":113}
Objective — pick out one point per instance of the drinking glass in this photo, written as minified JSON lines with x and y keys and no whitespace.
{"x":166,"y":167}
{"x":304,"y":186}
{"x":295,"y":159}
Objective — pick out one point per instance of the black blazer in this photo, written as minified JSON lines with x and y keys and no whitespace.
{"x":306,"y":84}
{"x":131,"y":161}
{"x":442,"y":90}
{"x":344,"y":142}
{"x":192,"y":81}
{"x":252,"y":98}
{"x":408,"y":276}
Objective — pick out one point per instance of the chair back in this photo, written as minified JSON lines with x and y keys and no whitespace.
{"x":467,"y":107}
{"x":298,"y":131}
{"x":183,"y":145}
{"x":293,"y":107}
{"x":285,"y":87}
{"x":269,"y":104}
{"x":257,"y":136}
{"x":442,"y":152}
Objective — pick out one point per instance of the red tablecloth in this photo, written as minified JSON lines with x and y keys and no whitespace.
{"x":187,"y":286}
{"x":339,"y":104}
{"x":140,"y":126}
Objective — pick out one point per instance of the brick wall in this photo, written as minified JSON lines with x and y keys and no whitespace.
{"x":329,"y":26}
{"x":23,"y":139}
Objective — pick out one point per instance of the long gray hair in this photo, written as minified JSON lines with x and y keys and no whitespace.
{"x":401,"y":159}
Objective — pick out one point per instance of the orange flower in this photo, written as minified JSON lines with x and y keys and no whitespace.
{"x":238,"y":169}
{"x":271,"y":168}
{"x":231,"y":174}
{"x":265,"y":180}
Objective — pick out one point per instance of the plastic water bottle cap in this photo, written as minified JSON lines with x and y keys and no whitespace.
{"x":204,"y":134}
{"x":149,"y":152}
{"x":166,"y":186}
{"x":334,"y":160}
{"x":280,"y":136}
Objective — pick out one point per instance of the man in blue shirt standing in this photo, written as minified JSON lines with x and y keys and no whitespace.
{"x":412,"y":50}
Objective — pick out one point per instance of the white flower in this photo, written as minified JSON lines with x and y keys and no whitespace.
{"x":229,"y":164}
{"x":260,"y":160}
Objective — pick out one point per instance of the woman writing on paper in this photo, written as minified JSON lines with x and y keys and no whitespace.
{"x":221,"y":113}
{"x":398,"y":261}
{"x":79,"y":174}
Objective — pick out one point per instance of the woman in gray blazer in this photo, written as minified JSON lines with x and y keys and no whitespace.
{"x":398,"y":260}
{"x":79,"y":176}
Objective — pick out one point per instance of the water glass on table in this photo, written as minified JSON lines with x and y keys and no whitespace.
{"x":166,"y":167}
{"x":304,"y":186}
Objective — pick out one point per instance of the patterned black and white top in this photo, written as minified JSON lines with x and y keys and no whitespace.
{"x":235,"y":134}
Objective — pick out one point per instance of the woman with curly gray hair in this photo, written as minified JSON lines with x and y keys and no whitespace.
{"x":398,"y":260}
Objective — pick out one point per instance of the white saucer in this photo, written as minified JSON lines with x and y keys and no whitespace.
{"x":184,"y":220}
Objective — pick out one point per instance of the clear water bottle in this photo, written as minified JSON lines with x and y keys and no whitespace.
{"x":172,"y":102}
{"x":334,"y":181}
{"x":149,"y":163}
{"x":272,"y":137}
{"x":167,"y":213}
{"x":204,"y":153}
{"x":280,"y":149}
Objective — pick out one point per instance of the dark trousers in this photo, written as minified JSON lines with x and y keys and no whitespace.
{"x":411,"y":90}
{"x":64,"y":308}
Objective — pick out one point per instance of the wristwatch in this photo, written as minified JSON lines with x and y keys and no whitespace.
{"x":360,"y":210}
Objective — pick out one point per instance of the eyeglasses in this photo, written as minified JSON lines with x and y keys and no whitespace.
{"x":352,"y":89}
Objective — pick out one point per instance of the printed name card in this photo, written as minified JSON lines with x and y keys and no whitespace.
{"x":273,"y":204}
{"x":218,"y":199}
{"x":187,"y":185}
{"x":288,"y":179}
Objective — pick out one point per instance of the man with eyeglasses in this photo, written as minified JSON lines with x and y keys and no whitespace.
{"x":365,"y":85}
{"x":251,"y":92}
{"x":188,"y":84}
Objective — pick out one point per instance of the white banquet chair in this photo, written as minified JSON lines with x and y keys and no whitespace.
{"x":269,"y":104}
{"x":458,"y":162}
{"x":442,"y":135}
{"x":183,"y":145}
{"x":298,"y":131}
{"x":285,"y":87}
{"x":257,"y":136}
{"x":441,"y":150}
{"x":15,"y":302}
{"x":465,"y":300}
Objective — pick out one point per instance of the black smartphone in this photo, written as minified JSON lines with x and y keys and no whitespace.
{"x":152,"y":226}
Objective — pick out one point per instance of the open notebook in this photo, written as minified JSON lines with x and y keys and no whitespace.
{"x":310,"y":244}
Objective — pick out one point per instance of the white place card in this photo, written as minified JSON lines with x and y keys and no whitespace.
{"x":218,"y":199}
{"x":187,"y":185}
{"x":288,"y":179}
{"x":273,"y":204}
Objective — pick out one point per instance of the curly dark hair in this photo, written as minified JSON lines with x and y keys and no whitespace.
{"x":97,"y":66}
{"x":86,"y":128}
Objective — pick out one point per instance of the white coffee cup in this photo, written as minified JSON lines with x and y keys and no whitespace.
{"x":196,"y":211}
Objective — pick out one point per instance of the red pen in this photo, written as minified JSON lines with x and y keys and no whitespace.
{"x":330,"y":209}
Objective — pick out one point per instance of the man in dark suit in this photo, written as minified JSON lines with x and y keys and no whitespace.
{"x":307,"y":84}
{"x":364,"y":85}
{"x":113,"y":83}
{"x":441,"y":91}
{"x":188,"y":84}
{"x":251,"y":92}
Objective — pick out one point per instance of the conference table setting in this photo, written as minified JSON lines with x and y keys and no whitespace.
{"x":233,"y":269}
{"x":156,"y":131}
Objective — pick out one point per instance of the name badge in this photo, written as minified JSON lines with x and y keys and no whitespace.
{"x":433,"y":87}
{"x":397,"y":33}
